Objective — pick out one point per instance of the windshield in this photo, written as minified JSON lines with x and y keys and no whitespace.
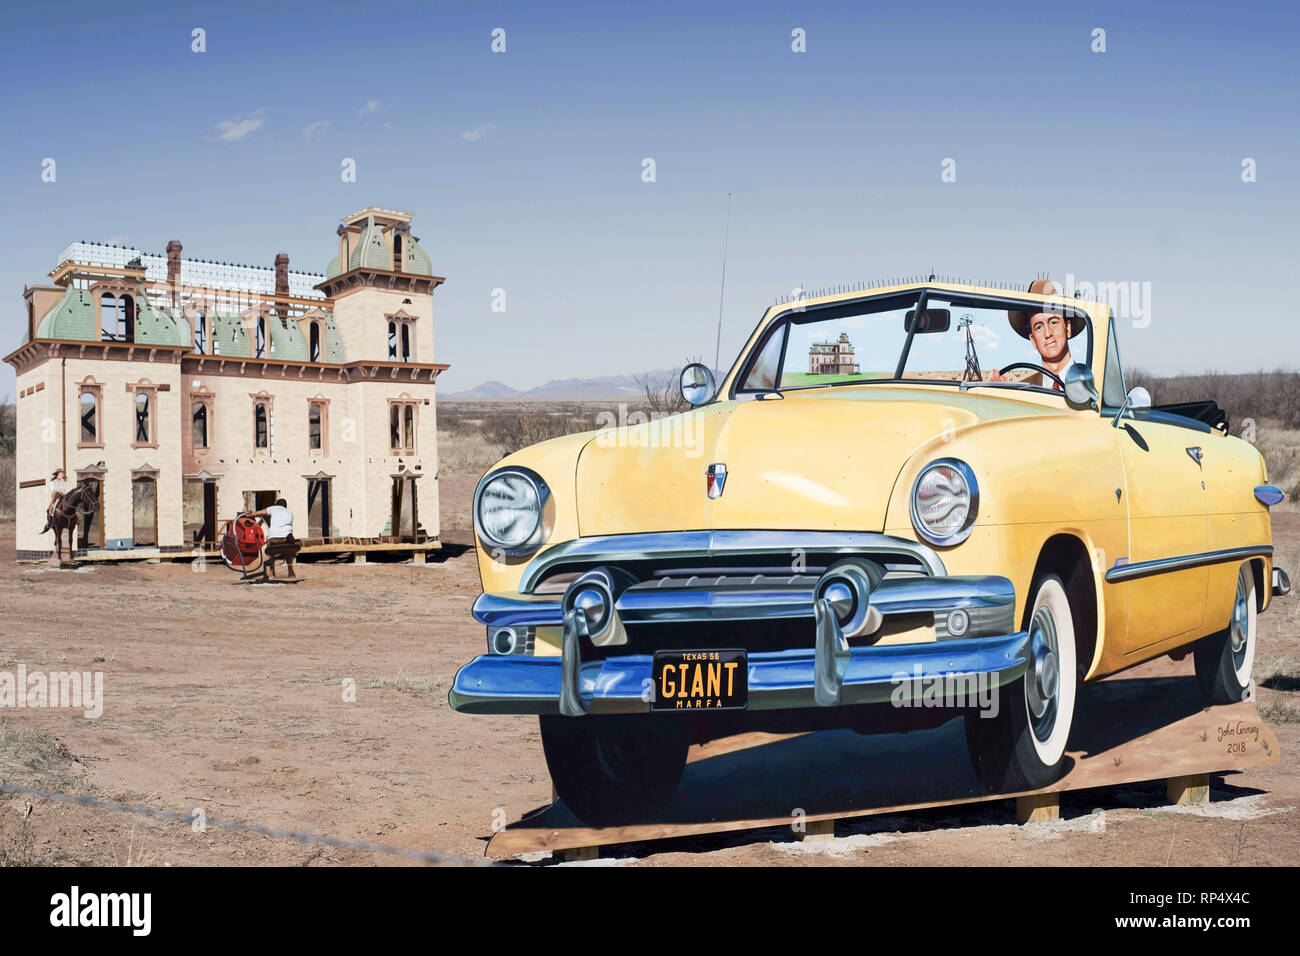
{"x":956,"y":340}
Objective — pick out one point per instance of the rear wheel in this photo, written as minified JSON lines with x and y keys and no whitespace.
{"x":1022,"y":746}
{"x":1224,"y":660}
{"x":616,"y":769}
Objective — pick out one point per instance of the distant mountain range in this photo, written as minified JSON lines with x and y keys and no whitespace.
{"x":602,"y":387}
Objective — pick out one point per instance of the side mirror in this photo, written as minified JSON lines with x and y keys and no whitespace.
{"x":697,"y":384}
{"x":1137,"y":399}
{"x":1080,"y":387}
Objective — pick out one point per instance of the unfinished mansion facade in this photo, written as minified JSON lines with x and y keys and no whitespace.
{"x":189,"y":391}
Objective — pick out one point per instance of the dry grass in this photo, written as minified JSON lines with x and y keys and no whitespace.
{"x":466,"y":452}
{"x":17,"y":843}
{"x":432,"y":687}
{"x":1275,"y":679}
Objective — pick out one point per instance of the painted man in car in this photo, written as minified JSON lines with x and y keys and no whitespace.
{"x":1050,"y":333}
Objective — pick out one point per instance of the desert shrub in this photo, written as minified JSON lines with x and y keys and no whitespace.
{"x":8,"y":420}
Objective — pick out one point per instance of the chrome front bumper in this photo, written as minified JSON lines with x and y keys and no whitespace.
{"x":830,"y":673}
{"x":509,"y":684}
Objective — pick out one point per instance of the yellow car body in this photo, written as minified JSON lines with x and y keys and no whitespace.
{"x":1149,"y":518}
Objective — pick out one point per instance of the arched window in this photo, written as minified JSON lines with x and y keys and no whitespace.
{"x":261,"y":338}
{"x":89,"y":418}
{"x":392,"y":341}
{"x":143,"y":428}
{"x":408,"y":429}
{"x":406,"y":341}
{"x":200,"y":425}
{"x":314,"y":426}
{"x":200,"y":332}
{"x":260,"y":433}
{"x":394,"y":427}
{"x":108,"y":321}
{"x":397,"y":253}
{"x":313,"y":336}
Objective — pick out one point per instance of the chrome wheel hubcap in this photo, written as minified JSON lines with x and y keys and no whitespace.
{"x":1043,"y":679}
{"x":1239,"y":629}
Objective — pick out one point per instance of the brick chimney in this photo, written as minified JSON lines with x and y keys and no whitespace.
{"x":282,"y":274}
{"x":282,"y":282}
{"x":174,"y":268}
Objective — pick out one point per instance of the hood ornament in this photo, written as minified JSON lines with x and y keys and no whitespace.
{"x":715,"y":479}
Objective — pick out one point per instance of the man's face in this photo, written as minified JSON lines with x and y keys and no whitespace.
{"x":1050,"y":335}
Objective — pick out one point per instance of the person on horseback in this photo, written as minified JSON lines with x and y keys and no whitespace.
{"x":58,"y":488}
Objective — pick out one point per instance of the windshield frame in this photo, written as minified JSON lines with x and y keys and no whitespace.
{"x":803,"y":314}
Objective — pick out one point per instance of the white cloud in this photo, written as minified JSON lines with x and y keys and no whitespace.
{"x":237,"y":127}
{"x":470,"y":135}
{"x":316,"y":129}
{"x":371,"y":106}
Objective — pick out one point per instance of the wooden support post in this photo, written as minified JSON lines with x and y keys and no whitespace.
{"x":417,"y":557}
{"x":358,"y":557}
{"x":1038,"y":808}
{"x":817,"y":830}
{"x":579,"y":853}
{"x":1194,"y":788}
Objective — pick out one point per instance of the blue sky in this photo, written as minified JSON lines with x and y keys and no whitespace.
{"x":523,"y":169}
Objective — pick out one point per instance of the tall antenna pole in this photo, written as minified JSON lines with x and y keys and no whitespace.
{"x":726,"y":237}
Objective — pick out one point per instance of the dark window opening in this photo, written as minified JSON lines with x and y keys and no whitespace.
{"x":117,"y":318}
{"x":392,"y":340}
{"x":313,"y":335}
{"x":200,"y":333}
{"x":406,"y":342}
{"x":200,"y":425}
{"x":261,"y":338}
{"x":318,"y":508}
{"x":260,"y":426}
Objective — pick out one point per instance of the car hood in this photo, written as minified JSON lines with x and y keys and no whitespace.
{"x":820,"y":459}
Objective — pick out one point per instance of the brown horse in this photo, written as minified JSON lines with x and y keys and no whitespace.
{"x":78,"y":503}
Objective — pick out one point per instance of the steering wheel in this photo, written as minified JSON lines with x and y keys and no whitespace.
{"x":1037,"y":368}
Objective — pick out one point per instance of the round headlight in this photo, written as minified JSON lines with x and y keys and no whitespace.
{"x":510,"y":509}
{"x":945,"y":500}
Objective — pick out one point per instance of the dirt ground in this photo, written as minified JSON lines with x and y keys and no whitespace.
{"x":231,"y":699}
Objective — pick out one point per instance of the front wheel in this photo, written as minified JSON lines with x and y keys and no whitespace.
{"x":615,"y":769}
{"x":1022,"y":746}
{"x":1224,"y":660}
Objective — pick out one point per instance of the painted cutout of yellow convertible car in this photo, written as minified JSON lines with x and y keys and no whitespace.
{"x":861,"y":525}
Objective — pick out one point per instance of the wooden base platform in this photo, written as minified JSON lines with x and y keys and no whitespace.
{"x":1126,"y":731}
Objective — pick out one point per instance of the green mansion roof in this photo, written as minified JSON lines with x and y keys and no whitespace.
{"x":373,"y":252}
{"x":73,"y":319}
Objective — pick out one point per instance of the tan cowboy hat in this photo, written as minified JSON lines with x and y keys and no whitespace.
{"x":1020,"y":320}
